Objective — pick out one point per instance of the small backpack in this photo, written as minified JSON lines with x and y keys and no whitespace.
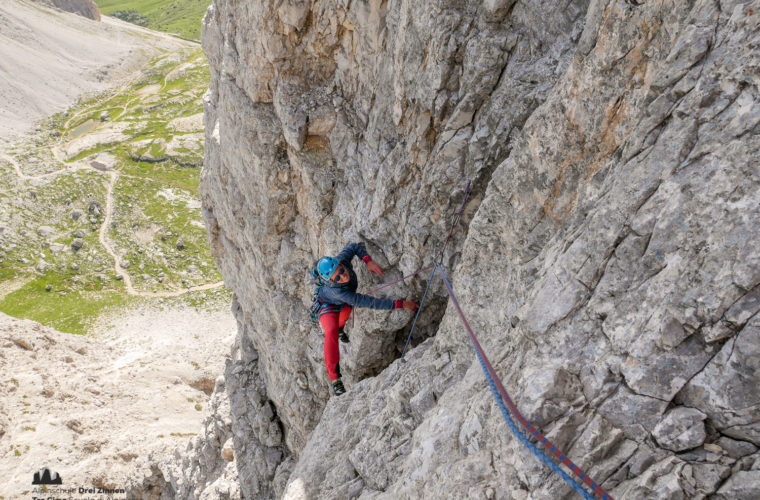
{"x":316,"y":305}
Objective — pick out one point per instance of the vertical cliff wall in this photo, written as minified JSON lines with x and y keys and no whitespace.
{"x":607,"y":259}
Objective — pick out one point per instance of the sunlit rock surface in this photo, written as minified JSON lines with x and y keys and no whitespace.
{"x":607,"y":257}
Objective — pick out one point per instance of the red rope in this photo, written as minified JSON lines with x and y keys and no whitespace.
{"x":456,"y":219}
{"x":598,"y":491}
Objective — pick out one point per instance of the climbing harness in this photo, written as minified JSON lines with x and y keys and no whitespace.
{"x":501,"y":396}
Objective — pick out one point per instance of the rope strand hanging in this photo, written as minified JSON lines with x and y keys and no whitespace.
{"x":501,"y":396}
{"x":457,"y":216}
{"x":503,"y":400}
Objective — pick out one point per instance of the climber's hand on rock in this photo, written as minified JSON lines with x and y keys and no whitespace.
{"x":410,"y":305}
{"x":374,"y":267}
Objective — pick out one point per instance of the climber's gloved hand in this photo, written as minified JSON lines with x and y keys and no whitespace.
{"x":410,"y":305}
{"x":374,"y":267}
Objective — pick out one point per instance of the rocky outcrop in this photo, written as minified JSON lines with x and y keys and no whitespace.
{"x":84,"y":8}
{"x":606,"y":259}
{"x":204,"y":465}
{"x":400,"y":183}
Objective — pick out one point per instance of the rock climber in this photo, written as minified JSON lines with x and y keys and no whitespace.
{"x":336,"y":297}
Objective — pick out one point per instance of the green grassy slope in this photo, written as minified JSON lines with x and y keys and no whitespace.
{"x":151,"y":131}
{"x":182,"y":17}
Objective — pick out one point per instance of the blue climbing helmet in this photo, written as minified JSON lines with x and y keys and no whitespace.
{"x":326,"y":266}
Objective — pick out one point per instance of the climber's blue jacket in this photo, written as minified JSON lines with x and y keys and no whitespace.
{"x":334,"y":296}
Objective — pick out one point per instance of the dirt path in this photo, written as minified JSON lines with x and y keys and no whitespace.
{"x":122,"y":58}
{"x":136,"y":386}
{"x":113,"y":176}
{"x":21,"y":175}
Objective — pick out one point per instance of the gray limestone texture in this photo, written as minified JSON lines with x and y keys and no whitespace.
{"x":607,"y":258}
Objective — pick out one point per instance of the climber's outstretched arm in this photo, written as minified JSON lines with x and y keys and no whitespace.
{"x":352,"y":249}
{"x":342,"y":296}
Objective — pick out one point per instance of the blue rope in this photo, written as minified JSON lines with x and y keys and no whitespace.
{"x":419,"y":310}
{"x":525,"y":440}
{"x":540,"y":454}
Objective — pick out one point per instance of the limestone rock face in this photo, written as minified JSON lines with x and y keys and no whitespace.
{"x":607,"y":257}
{"x":353,"y":141}
{"x":681,"y":429}
{"x":84,"y":8}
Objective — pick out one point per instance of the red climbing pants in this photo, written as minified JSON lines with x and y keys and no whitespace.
{"x":330,"y":323}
